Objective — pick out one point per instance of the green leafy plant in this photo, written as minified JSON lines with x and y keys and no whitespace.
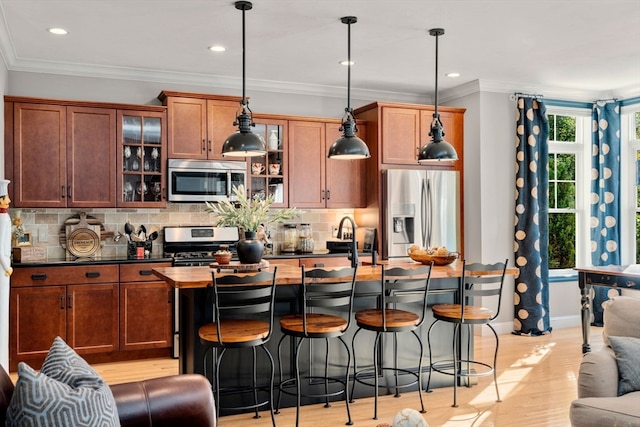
{"x":247,"y":213}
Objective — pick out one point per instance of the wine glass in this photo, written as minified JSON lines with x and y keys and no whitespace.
{"x":154,"y":155}
{"x":127,"y":155}
{"x":141,"y":189}
{"x":156,"y":189}
{"x":128,"y":191}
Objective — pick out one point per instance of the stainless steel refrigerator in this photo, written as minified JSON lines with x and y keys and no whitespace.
{"x":421,"y":207}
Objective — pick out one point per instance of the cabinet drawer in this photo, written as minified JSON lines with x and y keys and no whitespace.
{"x":68,"y":275}
{"x":140,"y":272}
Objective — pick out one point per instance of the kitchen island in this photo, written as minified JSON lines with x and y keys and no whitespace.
{"x":196,"y":309}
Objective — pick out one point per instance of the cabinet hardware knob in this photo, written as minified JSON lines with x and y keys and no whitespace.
{"x":92,"y":274}
{"x":322,"y":196}
{"x":209,"y":145}
{"x":145,"y":272}
{"x":69,"y":192}
{"x":40,"y":276}
{"x":70,"y":301}
{"x":328,"y":194}
{"x":61,"y":302}
{"x":62,"y":191}
{"x":203,"y":145}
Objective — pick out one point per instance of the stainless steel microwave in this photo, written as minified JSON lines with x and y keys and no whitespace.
{"x":204,"y":180}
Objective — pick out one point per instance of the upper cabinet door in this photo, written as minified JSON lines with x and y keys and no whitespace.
{"x":221,"y":116}
{"x":39,"y":156}
{"x":141,"y":142}
{"x":91,"y":157}
{"x":400,"y":135}
{"x":307,"y":164}
{"x":345,"y":180}
{"x":187,"y":128}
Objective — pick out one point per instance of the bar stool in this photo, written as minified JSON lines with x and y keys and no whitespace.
{"x":323,"y":292}
{"x":243,"y":318}
{"x":400,"y":290}
{"x":484,"y":281}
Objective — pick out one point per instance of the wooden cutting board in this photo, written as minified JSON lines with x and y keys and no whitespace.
{"x":82,"y":240}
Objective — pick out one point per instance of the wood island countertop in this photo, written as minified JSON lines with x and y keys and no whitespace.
{"x":200,"y":277}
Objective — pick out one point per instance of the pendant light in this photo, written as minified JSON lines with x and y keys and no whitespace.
{"x":244,"y":143}
{"x":438,"y":149}
{"x":349,"y":146}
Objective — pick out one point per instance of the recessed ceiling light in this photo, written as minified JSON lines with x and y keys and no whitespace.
{"x":345,"y":63}
{"x":217,"y":48}
{"x":58,"y":31}
{"x":452,"y":75}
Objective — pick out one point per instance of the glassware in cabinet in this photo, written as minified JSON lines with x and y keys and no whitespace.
{"x":268,"y":173}
{"x":141,"y":138}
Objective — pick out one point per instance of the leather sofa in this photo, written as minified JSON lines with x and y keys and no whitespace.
{"x":598,"y":403}
{"x":177,"y":400}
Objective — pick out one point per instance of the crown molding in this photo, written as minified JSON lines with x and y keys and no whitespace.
{"x":551,"y":92}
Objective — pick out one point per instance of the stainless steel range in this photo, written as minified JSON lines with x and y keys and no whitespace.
{"x":194,"y":246}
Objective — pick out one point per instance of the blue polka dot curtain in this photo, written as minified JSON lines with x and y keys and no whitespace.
{"x":531,"y":243}
{"x":605,"y":194}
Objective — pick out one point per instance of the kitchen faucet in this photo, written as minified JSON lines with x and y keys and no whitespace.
{"x":353,"y":253}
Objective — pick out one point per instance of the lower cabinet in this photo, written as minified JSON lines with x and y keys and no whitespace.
{"x":145,"y":308}
{"x":90,"y":308}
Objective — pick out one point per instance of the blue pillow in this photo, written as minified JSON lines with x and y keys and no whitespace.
{"x":627,"y":350}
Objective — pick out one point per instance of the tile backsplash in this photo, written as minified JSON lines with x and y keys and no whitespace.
{"x":46,"y":225}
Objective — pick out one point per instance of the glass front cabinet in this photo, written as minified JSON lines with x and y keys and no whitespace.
{"x":269,"y":173}
{"x":141,"y":159}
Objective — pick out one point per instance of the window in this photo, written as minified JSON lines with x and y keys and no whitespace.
{"x":569,"y":139}
{"x":569,"y":188}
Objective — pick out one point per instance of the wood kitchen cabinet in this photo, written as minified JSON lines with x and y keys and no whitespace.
{"x":79,"y":304}
{"x":316,"y":181}
{"x":63,"y":156}
{"x":199,"y":124}
{"x":141,"y":159}
{"x":145,"y":308}
{"x":273,"y":178}
{"x":398,"y":131}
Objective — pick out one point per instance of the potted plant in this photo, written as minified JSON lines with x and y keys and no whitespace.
{"x":248,"y":214}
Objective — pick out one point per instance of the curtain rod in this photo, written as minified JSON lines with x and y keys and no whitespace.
{"x":515,"y":95}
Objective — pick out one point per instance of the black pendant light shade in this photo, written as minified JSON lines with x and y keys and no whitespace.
{"x":244,"y":143}
{"x":349,"y":146}
{"x":437,"y":149}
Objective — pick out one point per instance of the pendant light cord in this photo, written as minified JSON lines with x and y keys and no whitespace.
{"x":349,"y":67}
{"x":436,"y":97}
{"x":244,"y":75}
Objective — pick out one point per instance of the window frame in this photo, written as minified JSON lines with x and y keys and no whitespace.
{"x":628,"y":203}
{"x":581,"y":149}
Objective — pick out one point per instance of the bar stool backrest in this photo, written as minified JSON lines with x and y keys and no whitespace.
{"x":328,"y":288}
{"x":243,"y":296}
{"x":483,"y":280}
{"x":402,"y":286}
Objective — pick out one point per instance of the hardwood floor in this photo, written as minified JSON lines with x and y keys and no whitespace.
{"x":536,"y":376}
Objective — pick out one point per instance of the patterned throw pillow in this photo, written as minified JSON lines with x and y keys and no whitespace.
{"x":627,"y":350}
{"x":66,"y":392}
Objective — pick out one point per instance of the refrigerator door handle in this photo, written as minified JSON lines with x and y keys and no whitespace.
{"x":425,"y":224}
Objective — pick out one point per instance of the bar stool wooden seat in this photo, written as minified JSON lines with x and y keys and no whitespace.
{"x":483,"y":281}
{"x":402,"y":308}
{"x":322,"y":293}
{"x":243,"y":318}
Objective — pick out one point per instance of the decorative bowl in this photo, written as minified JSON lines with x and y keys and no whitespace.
{"x":222,"y":258}
{"x":437,"y":259}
